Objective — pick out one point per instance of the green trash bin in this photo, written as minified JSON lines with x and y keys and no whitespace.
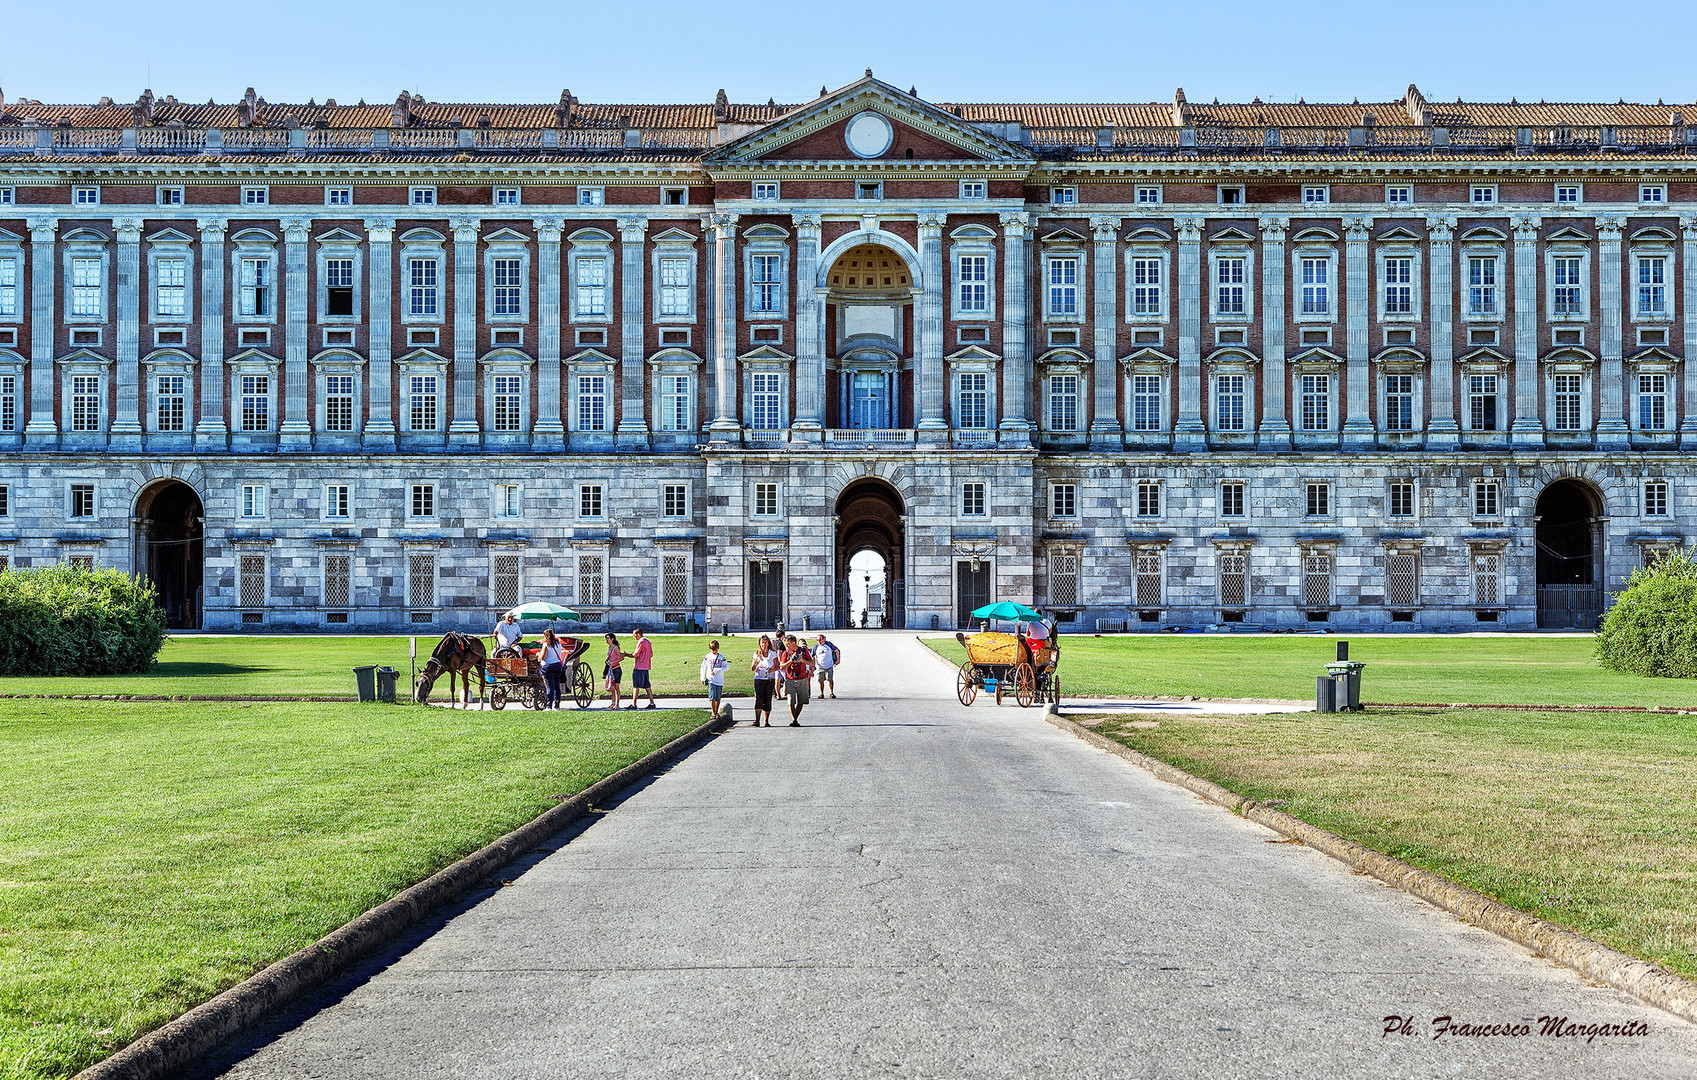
{"x":386,"y":677}
{"x":365,"y":678}
{"x":1348,"y":675}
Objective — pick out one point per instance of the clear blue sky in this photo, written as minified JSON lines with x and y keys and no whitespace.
{"x":672,"y":51}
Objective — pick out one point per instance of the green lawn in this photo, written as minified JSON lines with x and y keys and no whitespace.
{"x":320,"y":666}
{"x":154,"y":854}
{"x":1532,"y":669}
{"x":1581,"y":818}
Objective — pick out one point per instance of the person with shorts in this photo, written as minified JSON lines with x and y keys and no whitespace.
{"x":642,"y":664}
{"x":825,"y":665}
{"x":797,"y":664}
{"x":713,"y":668}
{"x":612,"y":672}
{"x":765,"y":668}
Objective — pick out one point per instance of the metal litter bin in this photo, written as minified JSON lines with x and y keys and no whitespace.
{"x":1325,"y":694}
{"x":1347,"y":673}
{"x":365,"y":678}
{"x":386,"y":684}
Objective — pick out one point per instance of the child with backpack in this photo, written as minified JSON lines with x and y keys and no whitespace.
{"x":825,"y":658}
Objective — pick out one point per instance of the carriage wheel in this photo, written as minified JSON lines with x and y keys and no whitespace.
{"x":1001,"y":682}
{"x":583,"y":686}
{"x":1055,"y":691}
{"x":506,"y":652}
{"x":538,"y":696}
{"x":498,"y":697}
{"x":966,"y":686}
{"x":1024,"y":685}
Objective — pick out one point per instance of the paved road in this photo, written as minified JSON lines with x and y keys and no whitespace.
{"x":907,"y":888}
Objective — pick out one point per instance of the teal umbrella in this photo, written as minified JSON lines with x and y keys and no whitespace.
{"x":1006,"y":609}
{"x":537,"y":609}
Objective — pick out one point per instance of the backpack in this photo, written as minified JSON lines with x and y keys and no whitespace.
{"x":836,"y":653}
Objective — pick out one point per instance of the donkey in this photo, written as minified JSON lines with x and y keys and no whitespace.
{"x":457,"y":654}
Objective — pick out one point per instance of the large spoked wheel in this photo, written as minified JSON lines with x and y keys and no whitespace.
{"x":1055,"y":691}
{"x":1024,"y":685}
{"x":538,"y":696}
{"x":498,"y":697}
{"x":966,"y":686}
{"x":583,"y":687}
{"x":506,"y":652}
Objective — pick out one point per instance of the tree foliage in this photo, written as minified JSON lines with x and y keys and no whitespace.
{"x":69,"y":620}
{"x":1652,"y":628}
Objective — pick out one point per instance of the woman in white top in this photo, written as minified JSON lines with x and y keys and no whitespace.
{"x":553,"y":668}
{"x":765,"y":667}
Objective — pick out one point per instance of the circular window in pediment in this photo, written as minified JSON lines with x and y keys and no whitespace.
{"x":869,"y":135}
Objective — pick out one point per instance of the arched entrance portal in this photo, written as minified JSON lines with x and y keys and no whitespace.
{"x":1568,"y":532}
{"x":869,"y":590}
{"x":169,"y":522}
{"x":870,"y":519}
{"x":869,"y":319}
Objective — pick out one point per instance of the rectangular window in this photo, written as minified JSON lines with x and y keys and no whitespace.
{"x":338,"y":287}
{"x":674,"y":286}
{"x":507,"y":295}
{"x":869,"y":189}
{"x":422,"y":294}
{"x":507,"y":391}
{"x":1316,"y":402}
{"x":82,"y":500}
{"x":1483,"y":194}
{"x":590,"y":295}
{"x":1652,"y":285}
{"x":1233,"y":575}
{"x":974,"y":282}
{"x":1319,"y":502}
{"x":1568,"y":193}
{"x":1652,"y":193}
{"x":1316,"y":193}
{"x":8,"y":195}
{"x":1063,"y":500}
{"x":5,"y":506}
{"x":1487,"y":572}
{"x":590,"y":196}
{"x":253,"y":500}
{"x":256,"y":287}
{"x":168,"y":403}
{"x":1656,"y":499}
{"x":8,"y":403}
{"x":1148,"y":195}
{"x":973,"y":189}
{"x":1402,"y":499}
{"x":1402,"y":585}
{"x":1146,"y":286}
{"x":338,"y":196}
{"x":1568,"y":283}
{"x":589,"y":501}
{"x":1063,"y":196}
{"x":767,"y":412}
{"x":1231,"y":194}
{"x":508,"y":501}
{"x":765,"y":500}
{"x":1566,"y":389}
{"x":1063,"y":578}
{"x":1228,"y":283}
{"x":1316,"y":286}
{"x":1399,"y":193}
{"x":85,"y":403}
{"x":253,"y":195}
{"x":674,"y":571}
{"x":592,"y":403}
{"x":423,"y":501}
{"x":338,"y":580}
{"x":169,"y":277}
{"x":8,"y":288}
{"x":338,"y":403}
{"x":675,"y":501}
{"x":1485,"y":502}
{"x":972,"y":400}
{"x":1063,"y":403}
{"x":1399,"y":403}
{"x":85,"y":196}
{"x":1228,"y":403}
{"x":766,"y":191}
{"x":1482,"y":402}
{"x":87,"y":288}
{"x":422,"y":402}
{"x":675,"y":401}
{"x":336,"y":502}
{"x":506,"y":196}
{"x":767,"y":288}
{"x":591,"y":580}
{"x":1482,"y":285}
{"x":1231,"y":500}
{"x":1652,"y":402}
{"x":256,"y":402}
{"x":1399,"y":286}
{"x":1148,"y":500}
{"x":1147,"y":567}
{"x":1063,"y":286}
{"x":421,"y":579}
{"x":1146,"y":403}
{"x":972,"y":500}
{"x":422,"y":196}
{"x":253,"y":581}
{"x":1316,"y":578}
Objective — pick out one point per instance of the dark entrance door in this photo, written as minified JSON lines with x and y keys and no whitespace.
{"x":169,"y":550}
{"x":765,"y":595}
{"x":972,"y":590}
{"x":1568,"y":535}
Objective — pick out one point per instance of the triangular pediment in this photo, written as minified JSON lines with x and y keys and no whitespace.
{"x":1567,"y":232}
{"x":170,"y":236}
{"x":679,"y":236}
{"x":972,"y":354}
{"x":766,"y":354}
{"x":337,"y":236}
{"x":1398,"y":233}
{"x":900,"y":127}
{"x":1062,"y":235}
{"x":1231,"y":235}
{"x":506,"y":236}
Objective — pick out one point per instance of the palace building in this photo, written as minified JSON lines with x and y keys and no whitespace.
{"x":324,"y":366}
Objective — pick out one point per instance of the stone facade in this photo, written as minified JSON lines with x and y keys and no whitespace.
{"x":349,"y":367}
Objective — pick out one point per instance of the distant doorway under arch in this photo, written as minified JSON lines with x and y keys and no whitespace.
{"x":869,"y":590}
{"x":870,"y":533}
{"x":170,"y":550}
{"x":1568,"y":533}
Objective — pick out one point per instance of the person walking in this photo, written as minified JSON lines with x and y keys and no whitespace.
{"x":553,"y":668}
{"x":641,"y":667}
{"x":765,"y":667}
{"x":825,"y":664}
{"x":798,"y":676}
{"x":713,"y":668}
{"x":612,"y":672}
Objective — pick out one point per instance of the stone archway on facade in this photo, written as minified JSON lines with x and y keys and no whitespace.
{"x":870,"y":280}
{"x":871,"y":516}
{"x":170,"y":550}
{"x":1568,"y":540}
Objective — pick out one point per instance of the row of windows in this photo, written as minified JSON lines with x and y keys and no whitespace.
{"x":417,"y":195}
{"x":1395,"y":194}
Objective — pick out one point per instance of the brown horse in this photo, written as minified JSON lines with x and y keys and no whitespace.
{"x":457,"y":654}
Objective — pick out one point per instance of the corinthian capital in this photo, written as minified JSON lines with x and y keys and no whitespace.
{"x":380,"y":230}
{"x":1440,"y":228}
{"x":1103,"y":229}
{"x":932,"y":224}
{"x":1609,"y":226}
{"x":43,"y":230}
{"x":1189,"y":229}
{"x":633,"y":230}
{"x":128,"y":230}
{"x":807,"y":225}
{"x":465,"y":230}
{"x":1273,"y":229}
{"x":296,"y":231}
{"x":549,"y":230}
{"x":1357,"y":229}
{"x":1016,"y":224}
{"x":1688,"y":228}
{"x":1525,"y":228}
{"x":723,"y":225}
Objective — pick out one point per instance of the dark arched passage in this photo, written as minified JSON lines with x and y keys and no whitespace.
{"x":1568,"y":532}
{"x":870,"y":517}
{"x":169,"y":522}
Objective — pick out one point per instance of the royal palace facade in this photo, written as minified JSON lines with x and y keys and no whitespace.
{"x":331,"y":366}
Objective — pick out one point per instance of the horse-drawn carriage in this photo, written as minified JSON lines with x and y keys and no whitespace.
{"x":998,"y":662}
{"x":515,"y":675}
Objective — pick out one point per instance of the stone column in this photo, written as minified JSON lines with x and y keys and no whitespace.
{"x":809,"y":332}
{"x":1273,"y":430}
{"x":1016,"y":343}
{"x":1442,"y":432}
{"x":632,"y":431}
{"x":126,"y":373}
{"x":723,"y":233}
{"x":928,"y":324}
{"x":1528,"y":428}
{"x":1358,"y":423}
{"x":1105,"y":431}
{"x":549,"y":433}
{"x":1612,"y":430}
{"x":42,"y":431}
{"x":1688,"y":344}
{"x":465,"y":427}
{"x":1189,"y":432}
{"x":380,"y":422}
{"x":295,"y":432}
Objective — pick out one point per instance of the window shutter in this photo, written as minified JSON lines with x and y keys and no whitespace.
{"x":421,"y":580}
{"x":1149,"y":579}
{"x":1486,"y":575}
{"x":1317,"y":579}
{"x":675,"y":586}
{"x":505,"y":578}
{"x":337,"y":571}
{"x":1233,"y":587}
{"x":1063,"y":579}
{"x":1400,"y":584}
{"x":253,"y":581}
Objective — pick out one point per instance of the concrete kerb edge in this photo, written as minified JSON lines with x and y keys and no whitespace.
{"x":166,"y":1051}
{"x":1641,"y":979}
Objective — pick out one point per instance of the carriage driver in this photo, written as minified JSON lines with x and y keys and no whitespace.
{"x":507,"y":632}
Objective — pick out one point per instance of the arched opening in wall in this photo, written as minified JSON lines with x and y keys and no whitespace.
{"x":871,"y":530}
{"x":170,"y":550}
{"x":1568,"y":534}
{"x":869,"y":323}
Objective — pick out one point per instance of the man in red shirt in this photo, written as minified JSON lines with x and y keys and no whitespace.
{"x":639,"y":674}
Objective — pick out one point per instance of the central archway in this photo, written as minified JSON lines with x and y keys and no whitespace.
{"x":869,"y":296}
{"x":169,"y":532}
{"x":870,"y":517}
{"x":1568,"y":533}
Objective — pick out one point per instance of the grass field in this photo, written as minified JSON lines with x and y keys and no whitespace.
{"x":1476,"y":670}
{"x":1581,"y":818}
{"x":319,"y":666}
{"x":154,"y":854}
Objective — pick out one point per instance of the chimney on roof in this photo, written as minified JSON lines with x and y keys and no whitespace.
{"x":1181,"y":109}
{"x":402,"y":114}
{"x":1415,"y":102}
{"x":721,"y":107}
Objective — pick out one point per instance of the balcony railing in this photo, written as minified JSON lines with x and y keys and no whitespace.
{"x":868,"y":437}
{"x":975,"y":437}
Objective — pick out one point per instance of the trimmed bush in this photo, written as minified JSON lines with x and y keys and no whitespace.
{"x":1652,"y":628}
{"x":67,"y":620}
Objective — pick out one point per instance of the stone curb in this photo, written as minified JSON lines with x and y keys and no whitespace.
{"x":168,"y":1051}
{"x":1643,"y":980}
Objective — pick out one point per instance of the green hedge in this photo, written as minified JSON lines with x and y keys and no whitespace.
{"x":65,"y":620}
{"x":1652,"y":628}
